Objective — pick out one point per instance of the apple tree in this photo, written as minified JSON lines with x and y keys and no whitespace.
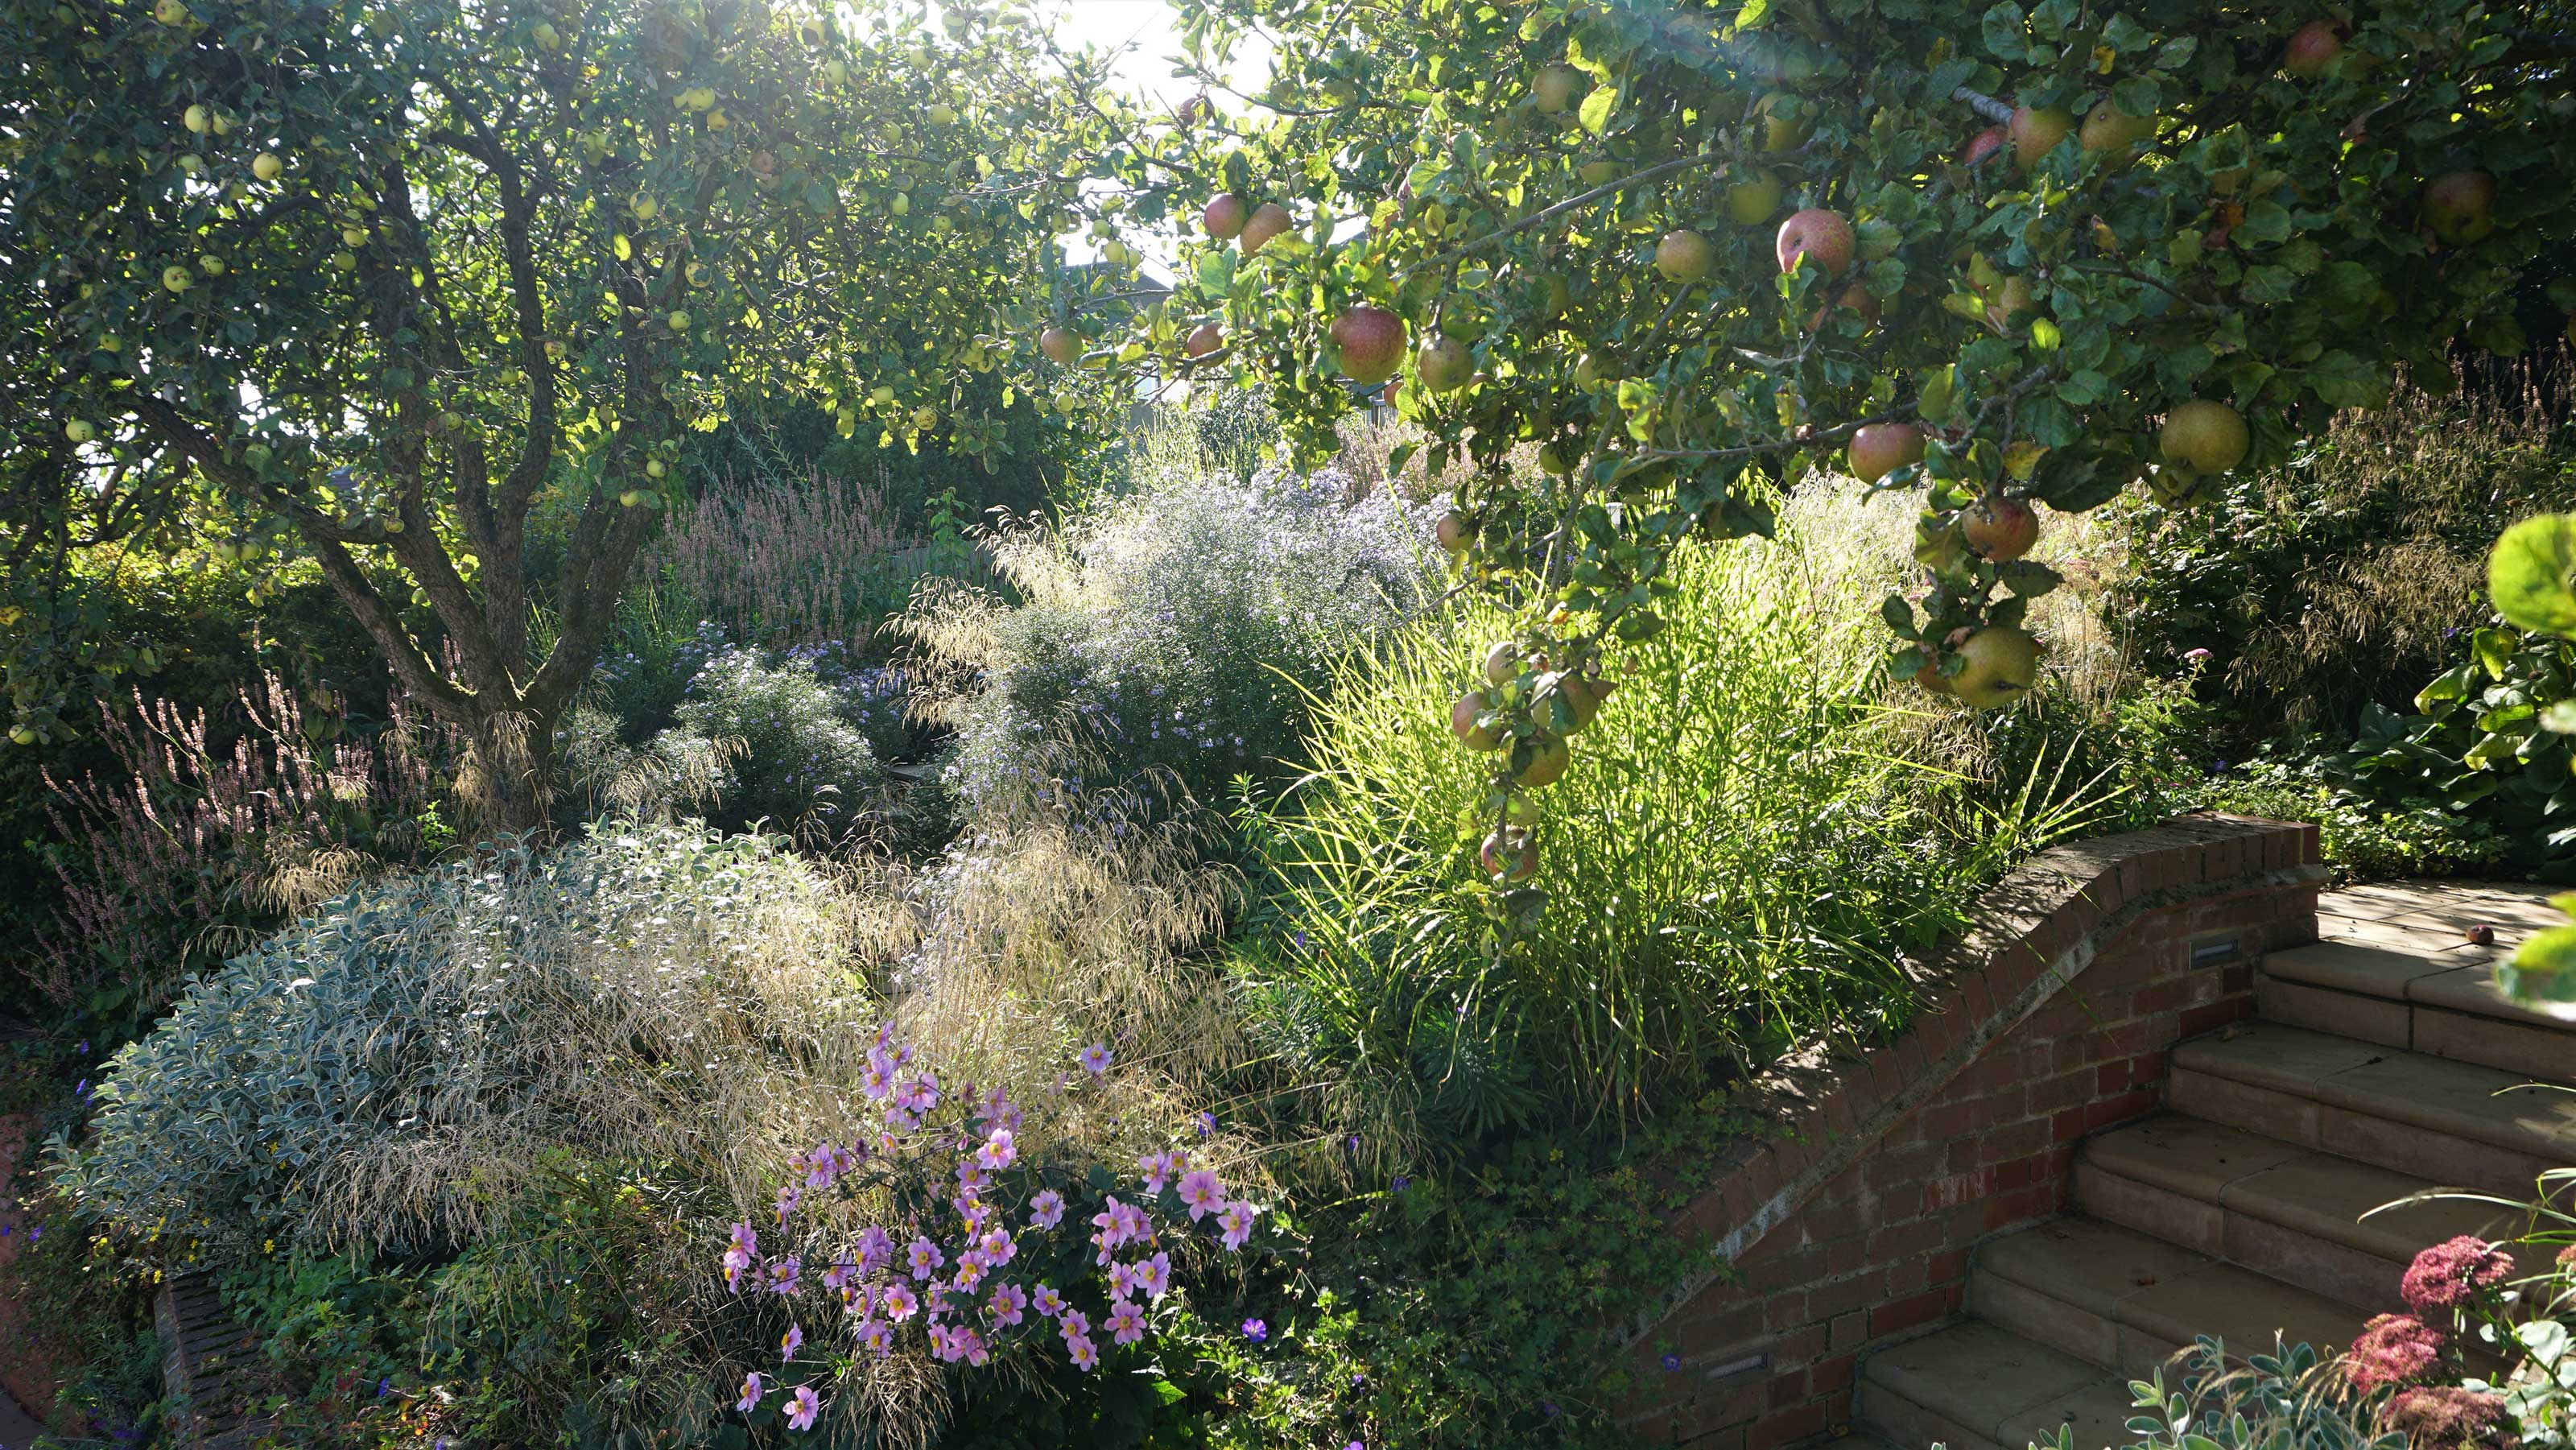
{"x":1998,"y":253}
{"x":384,"y":287}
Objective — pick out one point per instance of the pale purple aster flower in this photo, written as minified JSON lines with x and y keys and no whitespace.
{"x":1154,"y":1276}
{"x":1049,"y":1302}
{"x":783,"y":1274}
{"x":924,"y":1258}
{"x":999,"y":1151}
{"x":1095,"y":1059}
{"x":854,"y":1300}
{"x":970,"y":1274}
{"x":876,"y":1336}
{"x":1126,"y":1322}
{"x":1046,"y":1210}
{"x":1236,"y":1220}
{"x":843,"y":1270}
{"x":802,"y":1407}
{"x":876,"y":1249}
{"x":1084,"y":1355}
{"x":998,"y":1247}
{"x":1158,"y":1169}
{"x":898,"y":1302}
{"x":1122,"y":1280}
{"x":751,"y":1387}
{"x":788,"y":1198}
{"x":1008,"y":1306}
{"x":1073,"y":1324}
{"x":790,"y":1342}
{"x":1203,"y":1192}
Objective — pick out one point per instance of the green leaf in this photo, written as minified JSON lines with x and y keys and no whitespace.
{"x":2530,"y":572}
{"x":2543,"y":968}
{"x":1595,"y":114}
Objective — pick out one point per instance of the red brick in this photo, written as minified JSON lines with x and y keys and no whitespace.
{"x":2018,"y":1140}
{"x":1909,"y":1312}
{"x":1831,"y":1376}
{"x":1849,"y":1331}
{"x":2067,"y":1126}
{"x":2122,"y":1108}
{"x":1947,"y":1267}
{"x":1945,"y":1193}
{"x":2209,"y":1019}
{"x":1787,"y":1389}
{"x":1786,"y":1427}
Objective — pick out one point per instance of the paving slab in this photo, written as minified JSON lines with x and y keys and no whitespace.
{"x":1978,"y":1376}
{"x":2349,"y":1203}
{"x":2283,"y":1059}
{"x":2462,"y":1099}
{"x":2245,"y":1311}
{"x":2356,"y":966}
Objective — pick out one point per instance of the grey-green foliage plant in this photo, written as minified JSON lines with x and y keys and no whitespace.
{"x":394,"y":1067}
{"x":1175,"y":632}
{"x":797,"y":762}
{"x":2290,"y":1399}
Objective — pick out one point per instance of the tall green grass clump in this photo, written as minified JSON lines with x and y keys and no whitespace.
{"x":1748,"y":851}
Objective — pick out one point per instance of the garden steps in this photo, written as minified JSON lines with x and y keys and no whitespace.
{"x":2410,"y":1112}
{"x":2295,"y":1214}
{"x":2394,"y":966}
{"x":2380,"y":1065}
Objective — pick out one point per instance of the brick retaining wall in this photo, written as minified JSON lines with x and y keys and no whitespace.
{"x":1851,"y":1223}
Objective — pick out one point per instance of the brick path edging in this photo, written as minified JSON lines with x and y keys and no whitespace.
{"x":1849,"y":1217}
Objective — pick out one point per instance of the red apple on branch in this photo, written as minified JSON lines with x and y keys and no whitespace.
{"x":2313,"y":49}
{"x":1821,"y":235}
{"x":1060,"y":346}
{"x":1207,"y":338}
{"x":2460,"y":206}
{"x":1267,"y":220}
{"x":2035,"y":133}
{"x":2002,"y":529}
{"x":1879,"y":449}
{"x":1443,"y":363}
{"x":1224,"y":216}
{"x":1371,"y":340}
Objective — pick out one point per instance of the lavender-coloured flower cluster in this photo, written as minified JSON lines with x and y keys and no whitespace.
{"x":983,"y":1270}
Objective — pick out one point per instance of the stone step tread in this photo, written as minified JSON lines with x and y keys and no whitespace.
{"x":2482,"y":1104}
{"x":2163,"y":1290}
{"x":2456,"y":982}
{"x":2321,"y":1194}
{"x":2003,"y":1387}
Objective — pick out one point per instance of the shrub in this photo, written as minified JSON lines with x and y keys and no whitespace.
{"x":795,"y":761}
{"x":394,"y":1067}
{"x":1174,"y":633}
{"x":1740,"y":858}
{"x":2340,"y":579}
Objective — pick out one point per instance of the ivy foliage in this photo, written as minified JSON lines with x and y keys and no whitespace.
{"x":1690,"y":251}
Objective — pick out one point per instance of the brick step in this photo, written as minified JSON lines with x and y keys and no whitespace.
{"x":2409,"y":1112}
{"x":2125,"y":1301}
{"x":2294,"y":1214}
{"x":1979,"y":1386}
{"x":2440,"y":1003}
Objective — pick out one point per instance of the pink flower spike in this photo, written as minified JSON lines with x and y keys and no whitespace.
{"x":802,"y":1407}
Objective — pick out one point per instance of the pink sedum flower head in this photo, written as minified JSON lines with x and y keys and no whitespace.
{"x":751,"y":1389}
{"x":1049,"y":1302}
{"x":1236,"y":1220}
{"x":1084,"y":1354}
{"x":1095,"y":1059}
{"x":923,"y":1258}
{"x":1046,"y":1210}
{"x":2393,"y":1349}
{"x":1008,"y":1306}
{"x":1126,"y":1322}
{"x":898,"y":1302}
{"x":802,"y":1407}
{"x":1203,"y":1192}
{"x":2449,"y":1274}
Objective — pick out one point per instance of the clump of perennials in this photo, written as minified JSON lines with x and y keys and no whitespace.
{"x":971,"y":1264}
